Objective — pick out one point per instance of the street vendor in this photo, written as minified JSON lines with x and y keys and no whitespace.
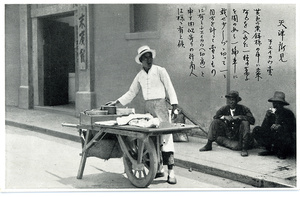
{"x":156,"y":85}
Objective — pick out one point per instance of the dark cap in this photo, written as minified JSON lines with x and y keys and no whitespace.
{"x":233,"y":94}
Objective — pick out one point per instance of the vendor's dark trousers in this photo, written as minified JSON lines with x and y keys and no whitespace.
{"x":219,"y":128}
{"x":279,"y":141}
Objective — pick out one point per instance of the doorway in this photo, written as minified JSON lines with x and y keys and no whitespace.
{"x":58,"y":62}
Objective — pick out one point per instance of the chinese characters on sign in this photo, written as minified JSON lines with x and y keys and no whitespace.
{"x":216,"y":41}
{"x":223,"y":53}
{"x":180,"y":29}
{"x":234,"y":49}
{"x":281,"y":45}
{"x":81,"y":37}
{"x":212,"y":31}
{"x":201,"y":40}
{"x":257,"y":41}
{"x":270,"y":57}
{"x":245,"y":40}
{"x":191,"y":32}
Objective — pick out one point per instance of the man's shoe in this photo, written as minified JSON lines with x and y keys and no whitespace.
{"x":205,"y":148}
{"x":281,"y":156}
{"x":244,"y":153}
{"x":159,"y":174}
{"x":266,"y":153}
{"x":171,"y":180}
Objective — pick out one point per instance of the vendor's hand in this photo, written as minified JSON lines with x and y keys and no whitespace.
{"x":174,"y":111}
{"x":112,"y":103}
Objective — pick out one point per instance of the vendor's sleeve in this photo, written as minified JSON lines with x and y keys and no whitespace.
{"x":131,"y":93}
{"x":169,"y":86}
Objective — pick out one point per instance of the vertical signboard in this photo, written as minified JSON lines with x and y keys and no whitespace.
{"x":81,"y":37}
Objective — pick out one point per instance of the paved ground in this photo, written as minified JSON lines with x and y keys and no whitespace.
{"x":261,"y":172}
{"x":36,"y":161}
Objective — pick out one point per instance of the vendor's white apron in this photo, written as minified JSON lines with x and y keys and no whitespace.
{"x":158,"y":108}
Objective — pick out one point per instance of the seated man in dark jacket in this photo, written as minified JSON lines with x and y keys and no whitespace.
{"x":278,"y":130}
{"x":231,"y":125}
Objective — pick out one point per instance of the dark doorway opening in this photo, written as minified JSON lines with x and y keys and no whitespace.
{"x":58,"y":61}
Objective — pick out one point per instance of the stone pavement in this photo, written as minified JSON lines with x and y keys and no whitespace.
{"x":261,"y":172}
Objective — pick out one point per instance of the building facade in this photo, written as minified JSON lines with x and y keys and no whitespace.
{"x":84,"y":53}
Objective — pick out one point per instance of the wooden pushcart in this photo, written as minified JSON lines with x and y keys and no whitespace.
{"x":140,"y":155}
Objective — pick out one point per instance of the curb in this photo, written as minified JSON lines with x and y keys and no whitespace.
{"x":44,"y":131}
{"x":254,"y":181}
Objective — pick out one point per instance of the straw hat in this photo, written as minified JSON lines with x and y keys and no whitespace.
{"x":142,"y":50}
{"x":278,"y":97}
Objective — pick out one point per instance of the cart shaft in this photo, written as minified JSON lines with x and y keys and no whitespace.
{"x":70,"y":125}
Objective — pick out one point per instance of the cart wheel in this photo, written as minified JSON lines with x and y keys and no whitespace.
{"x":143,"y":174}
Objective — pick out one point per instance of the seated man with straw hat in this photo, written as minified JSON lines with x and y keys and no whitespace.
{"x":278,"y":130}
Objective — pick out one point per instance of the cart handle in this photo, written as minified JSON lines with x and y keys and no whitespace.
{"x":70,"y":125}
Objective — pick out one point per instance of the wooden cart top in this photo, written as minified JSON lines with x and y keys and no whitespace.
{"x":162,"y":129}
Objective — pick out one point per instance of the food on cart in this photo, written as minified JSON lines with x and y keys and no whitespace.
{"x":108,"y":122}
{"x":151,"y":123}
{"x":140,"y":120}
{"x":126,"y":119}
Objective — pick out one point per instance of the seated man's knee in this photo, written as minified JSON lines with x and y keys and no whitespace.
{"x":216,"y":127}
{"x":217,"y":122}
{"x":256,"y":131}
{"x":245,"y":123}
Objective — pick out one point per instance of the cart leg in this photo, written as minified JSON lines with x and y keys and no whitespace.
{"x":83,"y":155}
{"x":81,"y":166}
{"x":159,"y":155}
